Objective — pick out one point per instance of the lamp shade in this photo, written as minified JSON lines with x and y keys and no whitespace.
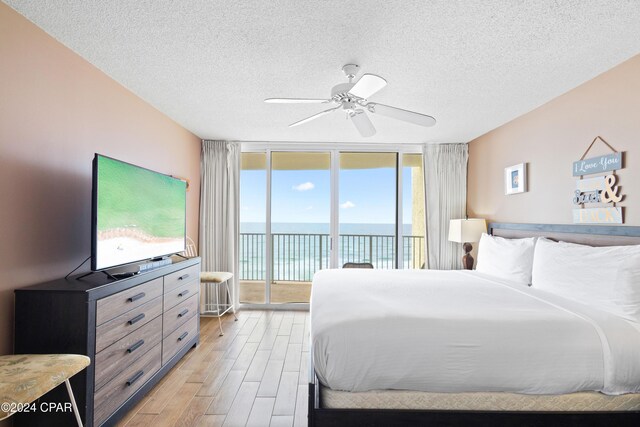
{"x":466,"y":230}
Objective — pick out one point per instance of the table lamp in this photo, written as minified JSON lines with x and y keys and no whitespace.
{"x":467,"y":231}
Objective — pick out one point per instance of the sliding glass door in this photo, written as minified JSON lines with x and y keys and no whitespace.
{"x":300,"y":216}
{"x":304,"y":211}
{"x":367,"y":209}
{"x":253,"y":228}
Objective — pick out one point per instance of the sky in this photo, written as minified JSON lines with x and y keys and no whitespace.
{"x":367,"y":196}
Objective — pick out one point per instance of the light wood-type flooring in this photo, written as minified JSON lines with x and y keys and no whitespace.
{"x":252,"y":292}
{"x":254,"y":375}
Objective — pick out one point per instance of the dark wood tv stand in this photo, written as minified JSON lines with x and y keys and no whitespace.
{"x":134,"y":330}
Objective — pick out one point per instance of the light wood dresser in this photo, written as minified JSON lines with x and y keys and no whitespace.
{"x":134,"y":330}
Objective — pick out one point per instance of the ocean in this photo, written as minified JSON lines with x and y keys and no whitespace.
{"x":323,"y":228}
{"x":301,"y":249}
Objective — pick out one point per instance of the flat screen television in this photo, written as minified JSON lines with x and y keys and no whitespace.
{"x":137,"y":214}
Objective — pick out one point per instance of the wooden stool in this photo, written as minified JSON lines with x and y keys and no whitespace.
{"x":212,"y":280}
{"x":26,"y":377}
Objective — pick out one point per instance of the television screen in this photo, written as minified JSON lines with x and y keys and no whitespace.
{"x":138,"y":214}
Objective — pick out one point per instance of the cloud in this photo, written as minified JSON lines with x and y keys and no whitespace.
{"x":308,"y":208}
{"x":305,"y":186}
{"x":347,"y":205}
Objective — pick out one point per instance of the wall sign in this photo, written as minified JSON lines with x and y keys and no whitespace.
{"x":590,"y":184}
{"x":598,"y":164}
{"x":597,"y":216}
{"x":601,"y":193}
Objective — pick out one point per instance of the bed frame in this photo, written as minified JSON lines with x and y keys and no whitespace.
{"x":584,"y":234}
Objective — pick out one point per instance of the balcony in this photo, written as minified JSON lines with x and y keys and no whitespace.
{"x":296,"y":258}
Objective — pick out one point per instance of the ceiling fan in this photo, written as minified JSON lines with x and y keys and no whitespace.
{"x":353,"y":99}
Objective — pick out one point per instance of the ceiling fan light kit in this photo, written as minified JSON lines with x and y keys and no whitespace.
{"x":352,"y":98}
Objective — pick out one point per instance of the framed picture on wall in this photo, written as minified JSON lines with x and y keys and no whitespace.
{"x":515,"y":179}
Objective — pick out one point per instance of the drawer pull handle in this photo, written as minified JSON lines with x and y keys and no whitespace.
{"x":183,"y":312}
{"x":135,"y":346}
{"x":183,"y":293}
{"x":137,"y":297}
{"x":134,"y":378}
{"x":183,"y":336}
{"x":183,"y":277}
{"x":136,"y":319}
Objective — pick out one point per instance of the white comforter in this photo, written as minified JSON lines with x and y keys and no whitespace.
{"x":462,"y":331}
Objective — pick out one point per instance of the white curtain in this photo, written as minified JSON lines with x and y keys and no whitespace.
{"x":445,"y":184}
{"x":219,"y":210}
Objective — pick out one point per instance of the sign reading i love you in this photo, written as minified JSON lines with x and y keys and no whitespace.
{"x":606,"y":163}
{"x":601,"y":193}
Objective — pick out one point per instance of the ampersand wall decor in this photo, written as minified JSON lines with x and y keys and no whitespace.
{"x":610,"y":193}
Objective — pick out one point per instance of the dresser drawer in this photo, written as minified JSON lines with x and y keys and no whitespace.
{"x":115,"y":358}
{"x":178,"y":315}
{"x":177,"y":339}
{"x":123,"y":325}
{"x":115,"y":392}
{"x":115,"y":305}
{"x":178,"y":294}
{"x":180,"y":277}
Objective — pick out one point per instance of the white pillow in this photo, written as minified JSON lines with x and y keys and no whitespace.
{"x":510,"y":259}
{"x":607,"y":278}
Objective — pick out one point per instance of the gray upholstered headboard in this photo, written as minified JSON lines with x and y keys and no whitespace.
{"x":594,"y":235}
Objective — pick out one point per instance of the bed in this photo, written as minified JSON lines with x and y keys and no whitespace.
{"x":508,"y":355}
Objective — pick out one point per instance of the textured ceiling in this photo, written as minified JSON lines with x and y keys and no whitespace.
{"x":473,"y":65}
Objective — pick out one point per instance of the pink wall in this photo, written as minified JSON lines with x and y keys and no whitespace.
{"x":549,"y":139}
{"x":56,"y":111}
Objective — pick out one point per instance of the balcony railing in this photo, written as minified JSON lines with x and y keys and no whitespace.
{"x":296,"y":257}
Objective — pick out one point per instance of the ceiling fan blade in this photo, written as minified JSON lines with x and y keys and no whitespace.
{"x":400,"y":114}
{"x":296,"y":101}
{"x":362,"y":123}
{"x":315,"y":116}
{"x":367,"y":86}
